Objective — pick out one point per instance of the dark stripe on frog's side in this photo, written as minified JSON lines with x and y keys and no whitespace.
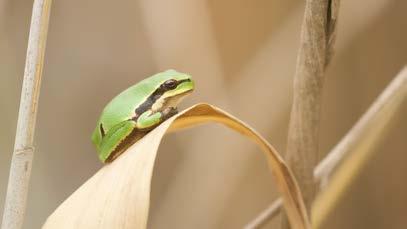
{"x":152,"y":98}
{"x":129,"y":140}
{"x":102,"y":130}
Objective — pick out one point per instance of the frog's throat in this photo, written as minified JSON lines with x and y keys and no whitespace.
{"x":168,"y":102}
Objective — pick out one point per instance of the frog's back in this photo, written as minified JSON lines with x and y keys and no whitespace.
{"x":122,"y":107}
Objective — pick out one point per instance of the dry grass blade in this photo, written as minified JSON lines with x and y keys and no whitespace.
{"x":356,"y":147}
{"x":118,"y":195}
{"x":265,"y":215}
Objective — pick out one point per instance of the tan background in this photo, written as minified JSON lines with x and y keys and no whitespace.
{"x":242,"y":55}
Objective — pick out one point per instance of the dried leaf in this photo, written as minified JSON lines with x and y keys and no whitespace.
{"x":118,"y":195}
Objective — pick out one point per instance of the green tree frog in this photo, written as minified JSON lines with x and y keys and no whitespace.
{"x":137,"y":110}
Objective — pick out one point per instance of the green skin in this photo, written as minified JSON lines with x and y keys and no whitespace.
{"x":137,"y":110}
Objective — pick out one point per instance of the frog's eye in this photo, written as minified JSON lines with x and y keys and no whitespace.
{"x":170,"y":84}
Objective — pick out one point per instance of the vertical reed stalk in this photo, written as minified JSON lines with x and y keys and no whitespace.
{"x":21,"y":162}
{"x":316,"y":45}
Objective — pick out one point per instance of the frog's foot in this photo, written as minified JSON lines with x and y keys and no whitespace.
{"x":168,"y":112}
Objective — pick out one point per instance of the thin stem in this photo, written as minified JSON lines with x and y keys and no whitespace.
{"x":383,"y":109}
{"x":316,"y":45}
{"x":356,"y":148}
{"x":20,"y":169}
{"x":268,"y":213}
{"x":386,"y":104}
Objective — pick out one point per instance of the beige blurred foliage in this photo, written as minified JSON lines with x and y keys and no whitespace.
{"x":242,"y":55}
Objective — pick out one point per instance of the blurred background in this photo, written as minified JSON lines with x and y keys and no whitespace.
{"x":242,"y":55}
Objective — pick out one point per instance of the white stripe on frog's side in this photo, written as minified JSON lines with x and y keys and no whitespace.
{"x":165,"y":102}
{"x":158,"y":104}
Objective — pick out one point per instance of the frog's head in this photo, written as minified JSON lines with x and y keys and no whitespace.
{"x":172,"y":86}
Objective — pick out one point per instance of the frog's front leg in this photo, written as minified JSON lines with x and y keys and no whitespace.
{"x":149,"y":119}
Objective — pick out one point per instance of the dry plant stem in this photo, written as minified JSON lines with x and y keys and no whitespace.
{"x":389,"y":101}
{"x":267,"y":214}
{"x":356,"y":148}
{"x":317,"y":36}
{"x":20,"y":169}
{"x":395,"y":92}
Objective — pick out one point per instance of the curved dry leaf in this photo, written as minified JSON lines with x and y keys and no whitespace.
{"x":118,"y":195}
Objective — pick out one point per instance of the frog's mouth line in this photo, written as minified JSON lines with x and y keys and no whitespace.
{"x":183,"y":81}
